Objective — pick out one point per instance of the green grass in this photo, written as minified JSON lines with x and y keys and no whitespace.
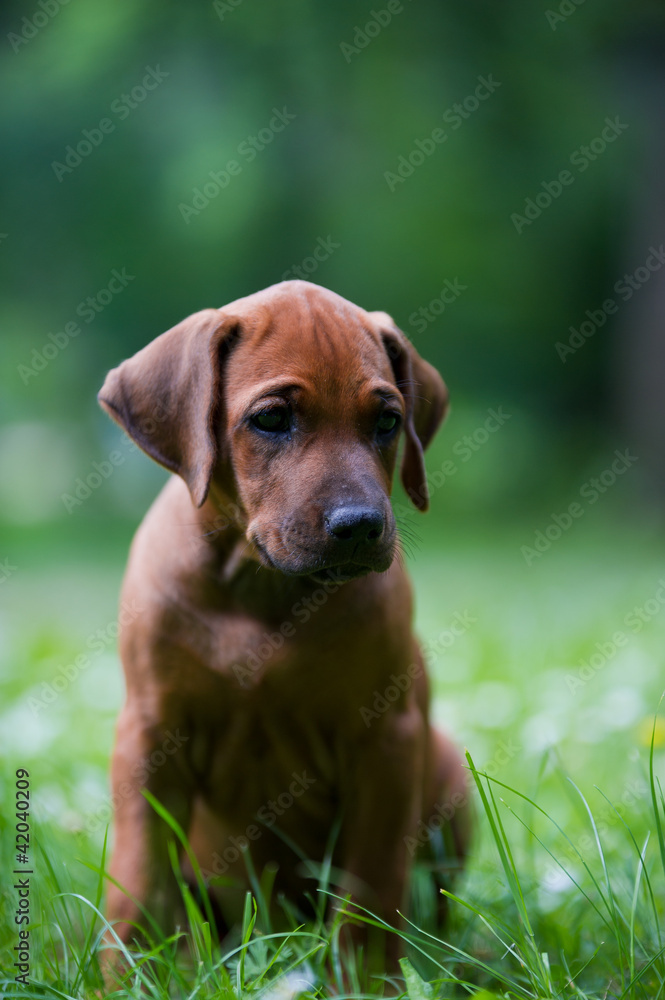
{"x":564,"y":894}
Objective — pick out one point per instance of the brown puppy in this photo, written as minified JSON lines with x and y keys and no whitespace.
{"x":274,"y":609}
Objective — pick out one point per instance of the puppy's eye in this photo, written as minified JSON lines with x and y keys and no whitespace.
{"x":387,"y":423}
{"x":275,"y":419}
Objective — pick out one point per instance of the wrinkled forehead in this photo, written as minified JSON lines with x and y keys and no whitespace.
{"x":329,"y":348}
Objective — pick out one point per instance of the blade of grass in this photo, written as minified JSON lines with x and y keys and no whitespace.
{"x":563,"y":868}
{"x":633,"y":910}
{"x":539,"y":974}
{"x":182,"y":837}
{"x":614,"y":910}
{"x":640,"y":855}
{"x":563,"y":833}
{"x":99,"y":892}
{"x":642,"y":973}
{"x":366,"y":916}
{"x":248,"y":921}
{"x":652,"y":782}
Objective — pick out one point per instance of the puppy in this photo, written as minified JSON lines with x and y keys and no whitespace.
{"x":275,"y":609}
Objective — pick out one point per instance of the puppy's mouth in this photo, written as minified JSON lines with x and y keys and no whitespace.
{"x":323,"y":572}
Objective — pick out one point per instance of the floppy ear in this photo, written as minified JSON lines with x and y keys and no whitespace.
{"x":426,"y":397}
{"x":166,"y":397}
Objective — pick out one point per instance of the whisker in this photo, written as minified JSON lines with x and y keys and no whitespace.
{"x":411,"y":536}
{"x":408,"y":529}
{"x":410,"y":545}
{"x":215,"y":531}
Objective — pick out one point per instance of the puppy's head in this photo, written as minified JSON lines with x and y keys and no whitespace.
{"x":293,"y":402}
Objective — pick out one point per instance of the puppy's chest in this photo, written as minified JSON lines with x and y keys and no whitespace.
{"x":259,"y":760}
{"x":275,"y":704}
{"x":321,"y":661}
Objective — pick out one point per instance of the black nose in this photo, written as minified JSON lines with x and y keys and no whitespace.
{"x":354,"y":523}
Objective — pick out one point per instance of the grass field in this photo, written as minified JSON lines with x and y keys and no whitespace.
{"x":552,"y":687}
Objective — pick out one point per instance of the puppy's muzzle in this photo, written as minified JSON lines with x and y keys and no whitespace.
{"x":358,"y":541}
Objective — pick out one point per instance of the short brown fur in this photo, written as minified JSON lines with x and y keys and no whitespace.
{"x":224,"y":659}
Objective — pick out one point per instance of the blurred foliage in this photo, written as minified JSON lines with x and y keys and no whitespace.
{"x":322,"y":177}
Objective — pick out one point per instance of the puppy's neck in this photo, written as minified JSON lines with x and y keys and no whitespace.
{"x":223,"y":524}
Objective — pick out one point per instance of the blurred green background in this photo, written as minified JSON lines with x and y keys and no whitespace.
{"x":180,"y":90}
{"x":217,"y":74}
{"x":359,"y":100}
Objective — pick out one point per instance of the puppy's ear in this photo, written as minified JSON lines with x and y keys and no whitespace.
{"x":426,"y":398}
{"x":167,"y":395}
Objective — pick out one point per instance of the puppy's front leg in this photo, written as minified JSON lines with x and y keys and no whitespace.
{"x":382,"y":813}
{"x":145,"y":756}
